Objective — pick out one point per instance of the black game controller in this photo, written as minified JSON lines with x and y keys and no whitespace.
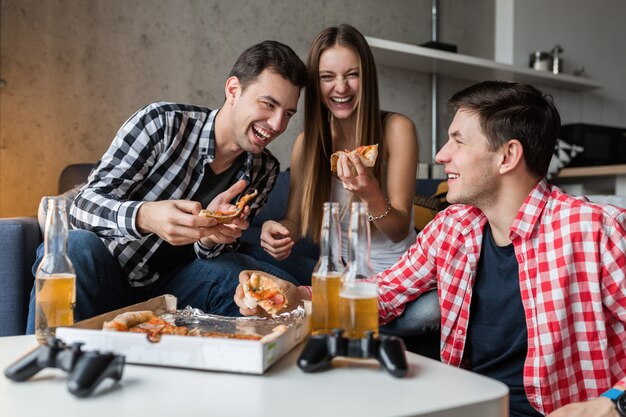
{"x":86,"y":369}
{"x":321,"y":349}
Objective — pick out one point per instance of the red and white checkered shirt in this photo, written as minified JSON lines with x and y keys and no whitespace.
{"x":572,"y":265}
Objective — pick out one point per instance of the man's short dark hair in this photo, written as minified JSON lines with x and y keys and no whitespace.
{"x":519,"y":111}
{"x":272,"y":55}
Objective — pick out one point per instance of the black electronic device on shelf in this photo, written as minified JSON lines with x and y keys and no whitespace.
{"x":320,"y":350}
{"x":86,"y":369}
{"x":602,"y":145}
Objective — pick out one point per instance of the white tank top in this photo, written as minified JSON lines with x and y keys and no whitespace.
{"x":384,"y":252}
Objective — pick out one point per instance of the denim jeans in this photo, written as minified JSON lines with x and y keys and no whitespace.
{"x":420,"y":316}
{"x":102,"y":286}
{"x":296,"y":266}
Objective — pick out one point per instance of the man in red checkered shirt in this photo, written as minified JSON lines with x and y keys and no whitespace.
{"x":531,"y":281}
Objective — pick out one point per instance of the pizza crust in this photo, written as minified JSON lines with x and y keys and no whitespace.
{"x":226,"y":217}
{"x":124,"y":321}
{"x":367,"y":154}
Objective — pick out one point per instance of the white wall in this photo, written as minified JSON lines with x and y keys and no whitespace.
{"x":76,"y":69}
{"x":593,"y":35}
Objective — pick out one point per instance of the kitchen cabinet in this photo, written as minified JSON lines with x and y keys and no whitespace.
{"x":418,"y":58}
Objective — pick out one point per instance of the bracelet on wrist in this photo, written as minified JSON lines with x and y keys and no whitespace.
{"x":372,"y":218}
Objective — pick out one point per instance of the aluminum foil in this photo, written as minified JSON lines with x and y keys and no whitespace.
{"x":195,"y":319}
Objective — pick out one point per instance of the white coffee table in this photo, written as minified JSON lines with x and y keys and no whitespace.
{"x":349,"y":389}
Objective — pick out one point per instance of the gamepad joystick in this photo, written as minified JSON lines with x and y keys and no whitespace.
{"x":321,"y":349}
{"x":86,"y":369}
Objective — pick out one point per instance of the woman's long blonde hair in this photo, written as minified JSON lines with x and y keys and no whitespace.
{"x":318,"y":145}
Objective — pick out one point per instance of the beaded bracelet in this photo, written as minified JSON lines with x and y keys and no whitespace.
{"x":372,"y":218}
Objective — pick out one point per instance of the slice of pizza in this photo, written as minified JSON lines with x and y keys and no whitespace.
{"x":123,"y":322}
{"x":226,"y":217}
{"x":261,"y":290}
{"x":366,"y":153}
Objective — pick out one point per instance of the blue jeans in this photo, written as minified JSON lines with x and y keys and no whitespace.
{"x":296,"y":266}
{"x":102,"y":286}
{"x":420,"y":316}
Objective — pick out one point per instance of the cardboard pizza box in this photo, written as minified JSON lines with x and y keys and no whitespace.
{"x":207,"y":353}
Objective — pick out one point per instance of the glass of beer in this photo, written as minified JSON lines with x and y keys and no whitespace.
{"x":358,"y":309}
{"x":358,"y":296}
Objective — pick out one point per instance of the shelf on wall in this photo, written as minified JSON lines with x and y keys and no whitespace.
{"x":418,"y":58}
{"x":610,"y":178}
{"x":594,"y":171}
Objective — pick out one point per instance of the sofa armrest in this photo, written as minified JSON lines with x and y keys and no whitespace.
{"x":20,"y":238}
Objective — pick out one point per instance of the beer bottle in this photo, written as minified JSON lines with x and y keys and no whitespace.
{"x":55,"y":280}
{"x":358,"y":297}
{"x":326,"y":277}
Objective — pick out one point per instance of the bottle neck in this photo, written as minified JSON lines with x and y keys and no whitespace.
{"x":330,"y":239}
{"x":55,"y":235}
{"x":359,"y":243}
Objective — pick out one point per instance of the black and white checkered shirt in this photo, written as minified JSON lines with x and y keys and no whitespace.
{"x":160,"y":153}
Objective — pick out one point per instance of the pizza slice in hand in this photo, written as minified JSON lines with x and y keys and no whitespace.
{"x":366,"y":153}
{"x":261,"y":290}
{"x":226,"y":217}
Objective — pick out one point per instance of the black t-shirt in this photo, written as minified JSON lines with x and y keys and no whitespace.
{"x":497,"y":338}
{"x":169,"y":257}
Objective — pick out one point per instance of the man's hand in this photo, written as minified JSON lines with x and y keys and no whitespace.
{"x":599,"y":407}
{"x":175,"y":221}
{"x":276,"y":240}
{"x":294,"y":294}
{"x":227,"y":233}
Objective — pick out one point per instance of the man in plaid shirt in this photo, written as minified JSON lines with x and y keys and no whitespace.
{"x":140,"y":234}
{"x":530,"y":280}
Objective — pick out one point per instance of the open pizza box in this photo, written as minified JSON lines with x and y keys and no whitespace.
{"x":208,"y":353}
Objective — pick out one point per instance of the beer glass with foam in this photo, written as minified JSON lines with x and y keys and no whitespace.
{"x":55,"y":280}
{"x":358,"y":297}
{"x":326,"y":277}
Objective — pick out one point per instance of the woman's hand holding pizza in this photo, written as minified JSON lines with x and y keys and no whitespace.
{"x":356,"y":177}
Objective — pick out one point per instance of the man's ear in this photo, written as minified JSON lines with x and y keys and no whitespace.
{"x":512,"y":155}
{"x":232,"y":89}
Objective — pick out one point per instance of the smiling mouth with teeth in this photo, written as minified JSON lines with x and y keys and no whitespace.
{"x":341,"y":100}
{"x":453,"y":176}
{"x":260,"y":133}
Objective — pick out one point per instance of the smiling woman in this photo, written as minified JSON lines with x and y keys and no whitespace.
{"x":342,"y":112}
